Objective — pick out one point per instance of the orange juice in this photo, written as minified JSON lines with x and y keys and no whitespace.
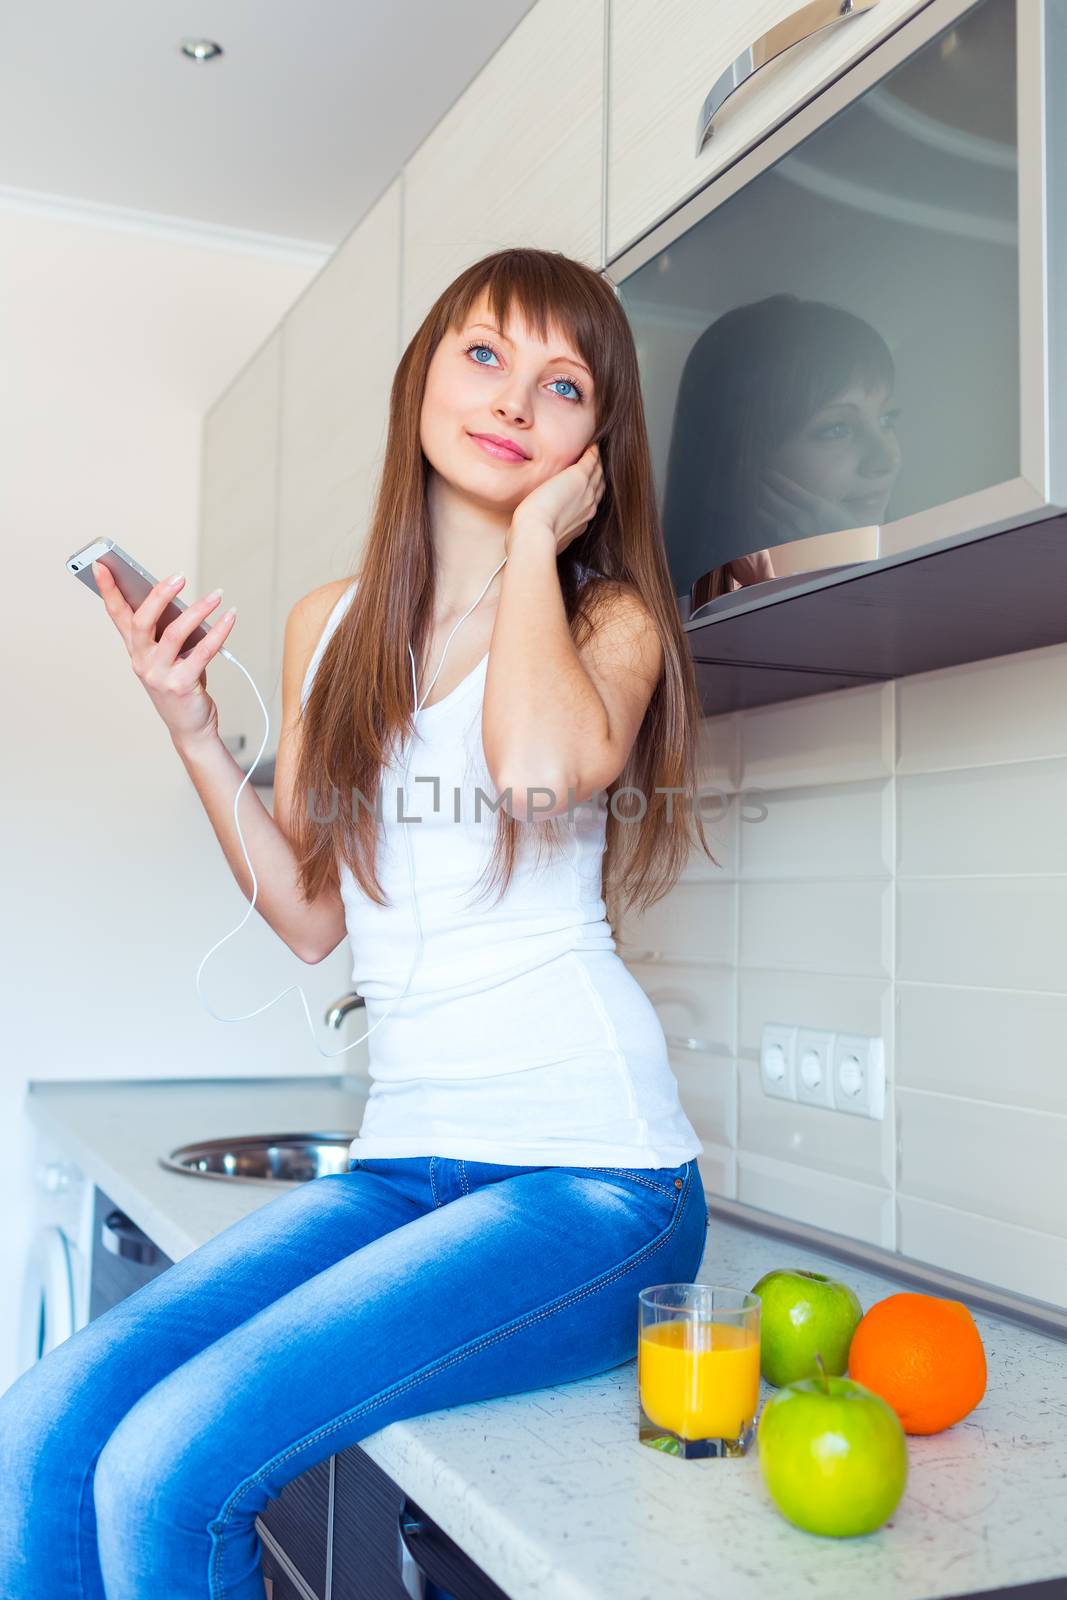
{"x":699,"y":1379}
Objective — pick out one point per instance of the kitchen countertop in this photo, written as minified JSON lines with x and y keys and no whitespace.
{"x":550,"y":1492}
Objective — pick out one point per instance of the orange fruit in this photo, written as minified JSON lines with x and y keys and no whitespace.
{"x":923,"y":1355}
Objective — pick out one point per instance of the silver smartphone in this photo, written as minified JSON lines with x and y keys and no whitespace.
{"x":133,"y":583}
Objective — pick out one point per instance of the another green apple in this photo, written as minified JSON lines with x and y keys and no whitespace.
{"x":804,"y":1314}
{"x":833,"y":1456}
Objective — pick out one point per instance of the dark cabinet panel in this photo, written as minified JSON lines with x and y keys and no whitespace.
{"x":298,"y":1519}
{"x":367,"y":1505}
{"x":953,"y":602}
{"x":367,"y":1551}
{"x":279,"y":1584}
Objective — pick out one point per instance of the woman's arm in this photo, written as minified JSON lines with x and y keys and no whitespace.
{"x":554,"y":716}
{"x":312,"y":931}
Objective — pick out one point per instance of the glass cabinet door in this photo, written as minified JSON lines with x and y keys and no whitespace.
{"x":832,"y":351}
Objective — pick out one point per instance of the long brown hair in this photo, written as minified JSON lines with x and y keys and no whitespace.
{"x":360,"y":700}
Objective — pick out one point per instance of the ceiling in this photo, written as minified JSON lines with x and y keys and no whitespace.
{"x":279,"y":146}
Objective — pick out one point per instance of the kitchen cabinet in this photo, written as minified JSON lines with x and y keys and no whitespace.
{"x":663,"y":58}
{"x":237,"y":544}
{"x":340,"y":344}
{"x":843,"y":629}
{"x":517,"y":160}
{"x":852,"y":364}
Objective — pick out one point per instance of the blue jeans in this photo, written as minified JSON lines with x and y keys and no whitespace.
{"x":136,"y":1455}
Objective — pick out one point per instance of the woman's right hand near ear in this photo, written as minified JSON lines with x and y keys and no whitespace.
{"x":177,"y":688}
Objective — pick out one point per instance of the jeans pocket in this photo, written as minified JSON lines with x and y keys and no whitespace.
{"x":670,"y":1181}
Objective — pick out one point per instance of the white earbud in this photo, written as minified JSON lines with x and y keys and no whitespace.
{"x":418,"y":704}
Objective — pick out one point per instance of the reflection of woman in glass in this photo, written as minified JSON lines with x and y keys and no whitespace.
{"x":780,"y":431}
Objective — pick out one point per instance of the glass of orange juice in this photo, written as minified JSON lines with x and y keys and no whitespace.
{"x":698,"y":1368}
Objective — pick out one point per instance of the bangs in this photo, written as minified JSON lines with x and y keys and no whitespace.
{"x":543,"y":299}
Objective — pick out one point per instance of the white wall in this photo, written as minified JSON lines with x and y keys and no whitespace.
{"x":115,"y":343}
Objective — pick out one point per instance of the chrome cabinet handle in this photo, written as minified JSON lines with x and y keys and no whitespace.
{"x":411,"y":1574}
{"x":124,"y":1238}
{"x":801,"y":25}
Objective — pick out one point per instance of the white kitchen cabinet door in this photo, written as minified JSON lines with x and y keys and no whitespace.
{"x":340,"y":348}
{"x":663,"y":58}
{"x":238,"y":518}
{"x":516,"y":161}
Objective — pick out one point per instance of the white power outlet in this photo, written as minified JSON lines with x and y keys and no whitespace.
{"x":815,"y":1074}
{"x":838,"y":1071}
{"x":777,"y":1060}
{"x":859,"y":1075}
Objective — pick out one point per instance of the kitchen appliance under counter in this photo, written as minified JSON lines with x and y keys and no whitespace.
{"x":549,"y":1491}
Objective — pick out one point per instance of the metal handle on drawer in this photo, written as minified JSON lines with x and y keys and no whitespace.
{"x":411,"y":1574}
{"x":809,"y":20}
{"x":124,"y":1238}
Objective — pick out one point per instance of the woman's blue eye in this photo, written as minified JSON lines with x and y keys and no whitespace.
{"x":481,"y":345}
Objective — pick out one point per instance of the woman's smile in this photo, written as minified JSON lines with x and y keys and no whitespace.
{"x":499,"y":451}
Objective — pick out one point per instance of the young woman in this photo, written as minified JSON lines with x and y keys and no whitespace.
{"x":524,"y":1167}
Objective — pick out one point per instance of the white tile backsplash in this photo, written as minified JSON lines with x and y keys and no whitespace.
{"x":901,"y":870}
{"x":1021,"y":1259}
{"x":693,"y":923}
{"x":984,"y":932}
{"x":986,"y":1044}
{"x":1010,"y":708}
{"x":812,"y":1136}
{"x":707,"y":1088}
{"x":952,"y":1150}
{"x":819,"y":1198}
{"x":982,"y":820}
{"x":833,"y":831}
{"x":810,"y":1000}
{"x":826,"y":738}
{"x":817,"y":926}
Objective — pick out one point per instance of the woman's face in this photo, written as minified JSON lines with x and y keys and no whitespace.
{"x":484,"y":380}
{"x":847,"y":453}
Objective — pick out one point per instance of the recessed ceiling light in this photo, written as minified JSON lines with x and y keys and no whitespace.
{"x":200,"y":49}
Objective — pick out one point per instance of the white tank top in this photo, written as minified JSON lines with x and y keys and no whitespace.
{"x":523,"y":1038}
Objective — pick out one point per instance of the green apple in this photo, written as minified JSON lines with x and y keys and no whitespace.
{"x":833,"y":1456}
{"x":804,"y":1314}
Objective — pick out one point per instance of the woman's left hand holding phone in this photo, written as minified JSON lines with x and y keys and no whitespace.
{"x":177,"y":688}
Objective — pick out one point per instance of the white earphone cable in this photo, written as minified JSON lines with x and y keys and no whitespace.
{"x":245,"y":1016}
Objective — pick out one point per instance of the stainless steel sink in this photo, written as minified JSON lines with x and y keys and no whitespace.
{"x":263,"y":1157}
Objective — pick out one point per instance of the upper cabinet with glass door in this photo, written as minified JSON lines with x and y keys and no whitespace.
{"x":667,"y":58}
{"x":854,"y":341}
